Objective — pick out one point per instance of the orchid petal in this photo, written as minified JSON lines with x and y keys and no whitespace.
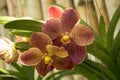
{"x":55,"y":11}
{"x":82,"y":35}
{"x":11,"y":55}
{"x":52,"y":28}
{"x":4,"y":45}
{"x":62,"y":63}
{"x":58,"y":51}
{"x":42,"y":68}
{"x":40,"y":40}
{"x":76,"y":53}
{"x":31,"y":57}
{"x":69,"y":18}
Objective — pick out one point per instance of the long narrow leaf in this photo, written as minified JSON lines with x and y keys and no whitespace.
{"x":112,"y":27}
{"x":24,"y":24}
{"x":103,"y":69}
{"x":97,"y":52}
{"x":77,"y":70}
{"x":24,"y":33}
{"x":22,"y":45}
{"x":116,"y":46}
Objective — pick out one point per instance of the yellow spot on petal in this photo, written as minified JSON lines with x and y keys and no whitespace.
{"x":65,"y":39}
{"x":48,"y":59}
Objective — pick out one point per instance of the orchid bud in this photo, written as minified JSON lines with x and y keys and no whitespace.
{"x":7,"y":50}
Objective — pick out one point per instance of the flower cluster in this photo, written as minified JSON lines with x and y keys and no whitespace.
{"x":61,"y":44}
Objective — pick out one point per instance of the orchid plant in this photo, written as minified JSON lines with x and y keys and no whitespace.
{"x":62,"y":42}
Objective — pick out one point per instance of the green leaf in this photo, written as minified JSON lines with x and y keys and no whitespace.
{"x":22,"y":45}
{"x":28,"y":71}
{"x":3,"y":71}
{"x":6,"y":19}
{"x":102,"y":31}
{"x":39,"y":78}
{"x":96,"y":72}
{"x":111,"y":28}
{"x":17,"y":74}
{"x":77,"y":70}
{"x":24,"y":33}
{"x":102,"y":28}
{"x":24,"y":24}
{"x":7,"y":77}
{"x":100,"y":54}
{"x":118,"y":59}
{"x":116,"y":46}
{"x":16,"y":66}
{"x":104,"y":70}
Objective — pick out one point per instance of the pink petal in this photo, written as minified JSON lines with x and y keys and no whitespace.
{"x":31,"y":57}
{"x":40,"y":40}
{"x":82,"y":35}
{"x":42,"y":68}
{"x":52,"y":28}
{"x":58,"y":51}
{"x":62,"y":63}
{"x":76,"y":53}
{"x":55,"y":11}
{"x":69,"y":18}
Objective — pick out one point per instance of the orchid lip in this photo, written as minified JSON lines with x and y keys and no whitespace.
{"x":65,"y":39}
{"x":48,"y":59}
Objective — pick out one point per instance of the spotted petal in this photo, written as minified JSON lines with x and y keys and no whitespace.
{"x":42,"y":68}
{"x":76,"y":53}
{"x":69,"y":18}
{"x":82,"y":35}
{"x":55,"y":11}
{"x":40,"y":40}
{"x":52,"y":27}
{"x":62,"y":63}
{"x":58,"y":51}
{"x":31,"y":57}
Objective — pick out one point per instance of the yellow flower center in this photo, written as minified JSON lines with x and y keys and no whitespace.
{"x":48,"y":59}
{"x":65,"y":39}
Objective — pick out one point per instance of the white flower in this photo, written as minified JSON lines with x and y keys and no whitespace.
{"x":7,"y":50}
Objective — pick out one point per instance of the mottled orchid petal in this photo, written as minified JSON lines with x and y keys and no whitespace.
{"x":52,"y":28}
{"x":62,"y":63}
{"x":31,"y":57}
{"x":69,"y":18}
{"x":57,"y":42}
{"x":58,"y":51}
{"x":76,"y":53}
{"x":40,"y":40}
{"x":42,"y":68}
{"x":55,"y":12}
{"x":82,"y":35}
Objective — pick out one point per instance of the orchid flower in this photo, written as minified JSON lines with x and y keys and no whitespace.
{"x":44,"y":55}
{"x":64,"y":29}
{"x":7,"y":50}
